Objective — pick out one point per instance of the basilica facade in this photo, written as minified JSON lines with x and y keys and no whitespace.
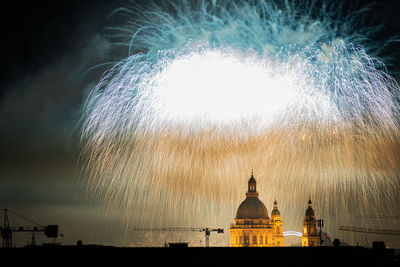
{"x":253,"y":227}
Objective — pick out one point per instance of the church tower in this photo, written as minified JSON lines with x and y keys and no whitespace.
{"x":310,"y":234}
{"x":252,"y":227}
{"x":277,"y":225}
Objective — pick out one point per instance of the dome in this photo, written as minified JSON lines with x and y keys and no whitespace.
{"x":275,"y":212}
{"x":252,"y":208}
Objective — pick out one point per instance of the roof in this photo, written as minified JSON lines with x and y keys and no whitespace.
{"x":252,"y":208}
{"x":310,"y":213}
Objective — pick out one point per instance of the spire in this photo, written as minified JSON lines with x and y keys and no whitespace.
{"x":252,"y":188}
{"x":310,"y":212}
{"x":275,"y":203}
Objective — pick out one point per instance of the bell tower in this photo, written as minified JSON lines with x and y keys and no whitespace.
{"x":277,"y":225}
{"x":310,"y":234}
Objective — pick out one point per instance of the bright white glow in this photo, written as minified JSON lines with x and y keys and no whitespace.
{"x":222,"y":87}
{"x":292,"y":233}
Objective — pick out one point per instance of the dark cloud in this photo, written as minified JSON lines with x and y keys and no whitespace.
{"x":46,"y":105}
{"x":51,"y":55}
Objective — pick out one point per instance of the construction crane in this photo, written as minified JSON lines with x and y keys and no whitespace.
{"x":50,"y":231}
{"x":395,"y":217}
{"x":206,"y":231}
{"x":369,"y":230}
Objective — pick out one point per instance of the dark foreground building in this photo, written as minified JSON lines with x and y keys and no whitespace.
{"x":196,"y":256}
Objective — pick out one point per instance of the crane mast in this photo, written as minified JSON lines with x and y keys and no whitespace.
{"x":6,"y":233}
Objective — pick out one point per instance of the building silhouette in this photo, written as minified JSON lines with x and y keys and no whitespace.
{"x":253,"y":227}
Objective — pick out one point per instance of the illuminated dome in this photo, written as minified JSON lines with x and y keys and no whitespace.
{"x":252,"y":207}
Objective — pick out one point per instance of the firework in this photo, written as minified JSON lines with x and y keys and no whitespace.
{"x":211,"y":90}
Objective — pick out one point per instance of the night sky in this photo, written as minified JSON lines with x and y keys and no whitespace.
{"x":48,"y":52}
{"x":48,"y":47}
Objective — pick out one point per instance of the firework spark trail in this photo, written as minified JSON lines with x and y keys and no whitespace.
{"x":169,"y":134}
